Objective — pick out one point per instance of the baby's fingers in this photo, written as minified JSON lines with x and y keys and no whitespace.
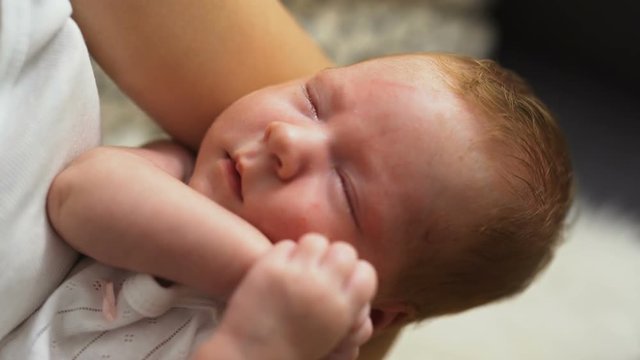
{"x":363,"y":284}
{"x":340,"y":261}
{"x":310,"y":249}
{"x":362,"y":330}
{"x":280,"y":253}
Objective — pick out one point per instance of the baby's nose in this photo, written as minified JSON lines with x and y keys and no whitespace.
{"x":295,"y":148}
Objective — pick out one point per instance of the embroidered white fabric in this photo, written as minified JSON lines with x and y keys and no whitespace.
{"x":101,"y":312}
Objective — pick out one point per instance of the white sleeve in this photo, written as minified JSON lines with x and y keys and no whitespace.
{"x":49,"y":114}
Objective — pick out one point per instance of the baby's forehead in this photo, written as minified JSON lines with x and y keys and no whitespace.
{"x":415,"y":69}
{"x":396,"y":79}
{"x":424,"y":78}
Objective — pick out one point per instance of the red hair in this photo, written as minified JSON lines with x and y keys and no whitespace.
{"x":516,"y":239}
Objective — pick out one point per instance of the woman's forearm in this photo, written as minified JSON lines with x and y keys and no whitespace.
{"x":185,"y":61}
{"x":121,"y":209}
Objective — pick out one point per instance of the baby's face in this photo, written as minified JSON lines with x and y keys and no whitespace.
{"x":363,"y":154}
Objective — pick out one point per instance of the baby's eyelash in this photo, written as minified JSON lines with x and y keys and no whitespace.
{"x":346,"y":189}
{"x":312,"y":105}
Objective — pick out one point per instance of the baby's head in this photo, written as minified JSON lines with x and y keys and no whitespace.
{"x":444,"y":172}
{"x":499,"y":252}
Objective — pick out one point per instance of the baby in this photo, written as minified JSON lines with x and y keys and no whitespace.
{"x":445,"y":173}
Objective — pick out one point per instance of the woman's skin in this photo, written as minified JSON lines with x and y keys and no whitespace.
{"x":184,"y":61}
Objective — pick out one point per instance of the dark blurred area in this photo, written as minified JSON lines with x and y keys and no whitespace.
{"x":583,"y":59}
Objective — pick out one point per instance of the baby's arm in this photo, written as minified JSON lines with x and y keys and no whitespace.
{"x":298,"y":302}
{"x":128,"y":208}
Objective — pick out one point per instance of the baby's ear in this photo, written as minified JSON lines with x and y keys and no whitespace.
{"x":391,"y":315}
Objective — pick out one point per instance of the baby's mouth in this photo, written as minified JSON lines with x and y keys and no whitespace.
{"x":233,"y":176}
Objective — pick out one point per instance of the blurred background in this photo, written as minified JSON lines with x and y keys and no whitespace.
{"x":583,"y":59}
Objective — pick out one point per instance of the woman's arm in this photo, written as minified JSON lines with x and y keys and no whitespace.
{"x":128,"y":208}
{"x":184,"y":61}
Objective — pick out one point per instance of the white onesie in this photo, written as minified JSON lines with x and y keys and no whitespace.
{"x":101,"y":312}
{"x":49,"y":114}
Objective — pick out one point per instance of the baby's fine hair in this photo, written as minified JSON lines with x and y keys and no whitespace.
{"x":516,"y":239}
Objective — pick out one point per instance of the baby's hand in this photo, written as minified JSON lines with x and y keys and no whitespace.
{"x":302,"y":300}
{"x":360,"y":332}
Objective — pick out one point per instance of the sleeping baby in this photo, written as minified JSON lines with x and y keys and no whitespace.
{"x":443,"y":172}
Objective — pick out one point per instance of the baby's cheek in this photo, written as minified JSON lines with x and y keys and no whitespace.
{"x":292,"y":221}
{"x":310,"y":217}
